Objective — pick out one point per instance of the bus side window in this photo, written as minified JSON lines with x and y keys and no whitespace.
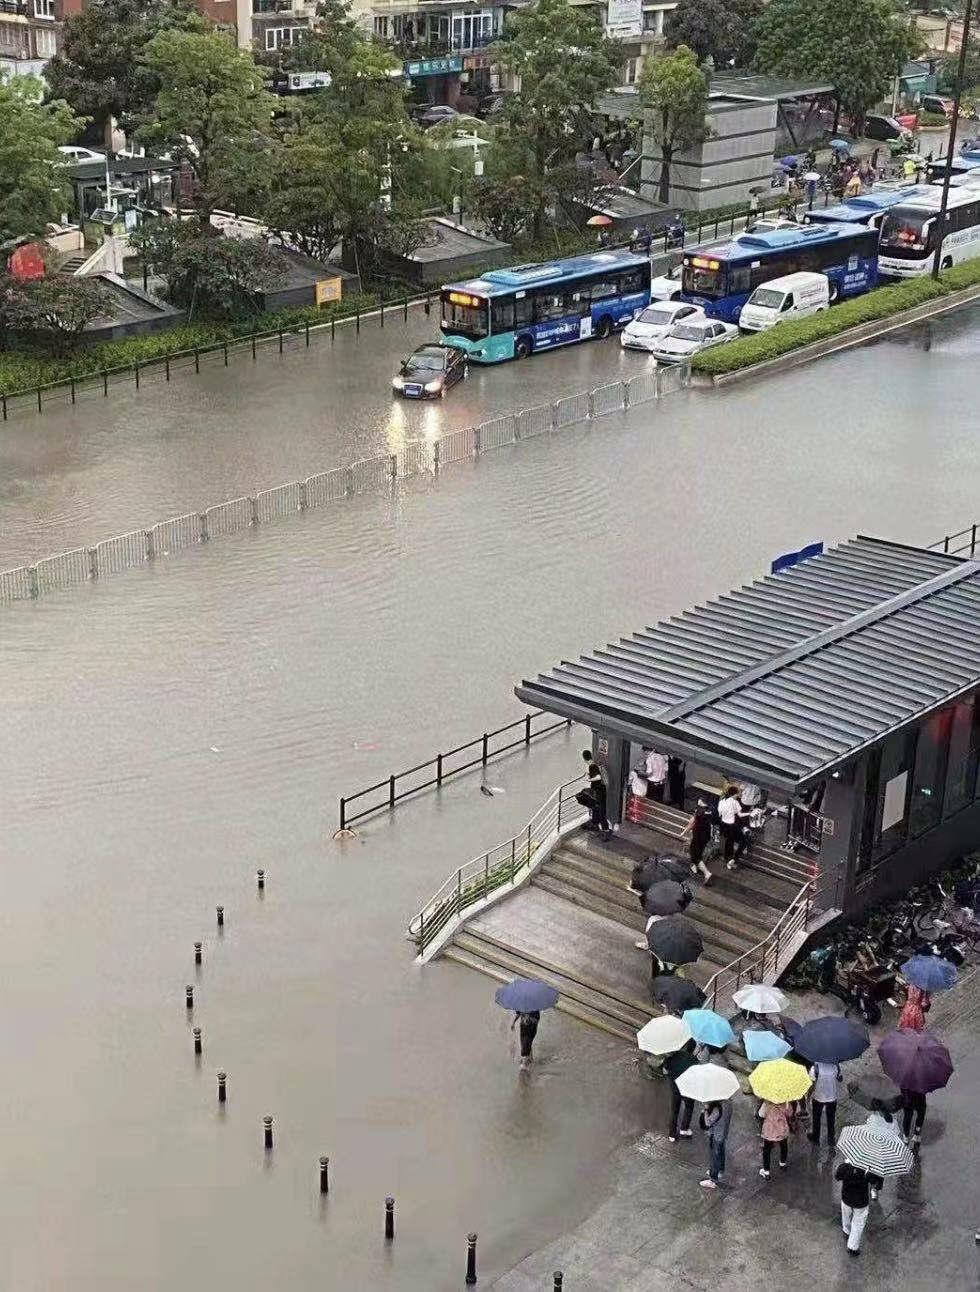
{"x":549,"y":306}
{"x":579,"y":303}
{"x":635,"y":281}
{"x":502,"y":314}
{"x":603,"y":291}
{"x":739,"y":278}
{"x":522,"y":311}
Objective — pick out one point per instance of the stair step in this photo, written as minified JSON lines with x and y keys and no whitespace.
{"x":628,"y":1013}
{"x":574,"y":1008}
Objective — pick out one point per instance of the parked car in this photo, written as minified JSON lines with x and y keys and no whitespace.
{"x":791,"y":297}
{"x":491,"y":104}
{"x":937,"y":104}
{"x":654,"y":322}
{"x":75,"y":153}
{"x":429,"y":371}
{"x":907,"y":120}
{"x":667,"y":287}
{"x":436,"y":114}
{"x":691,"y":337}
{"x":883,"y":128}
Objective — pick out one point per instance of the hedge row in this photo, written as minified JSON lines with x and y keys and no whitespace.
{"x":24,"y":369}
{"x":881,"y":303}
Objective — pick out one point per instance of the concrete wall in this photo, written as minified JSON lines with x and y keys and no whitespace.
{"x":737,"y":157}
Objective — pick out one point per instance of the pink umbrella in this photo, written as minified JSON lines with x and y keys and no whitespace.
{"x":915,"y":1061}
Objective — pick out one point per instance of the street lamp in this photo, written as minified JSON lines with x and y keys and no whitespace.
{"x":941,"y":219}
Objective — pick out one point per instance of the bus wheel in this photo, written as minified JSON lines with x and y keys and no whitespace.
{"x":603,"y":328}
{"x":522,"y":347}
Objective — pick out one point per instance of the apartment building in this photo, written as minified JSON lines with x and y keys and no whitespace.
{"x":639,"y":24}
{"x":30,"y":33}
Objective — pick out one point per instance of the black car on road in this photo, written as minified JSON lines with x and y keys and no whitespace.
{"x":429,"y":371}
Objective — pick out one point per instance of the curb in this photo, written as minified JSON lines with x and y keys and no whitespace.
{"x":830,"y":345}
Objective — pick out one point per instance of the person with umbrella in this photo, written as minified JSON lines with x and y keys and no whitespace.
{"x":681,"y":1106}
{"x":675,"y":994}
{"x":597,"y":801}
{"x":826,"y":1043}
{"x":856,"y":1186}
{"x":777,"y":1082}
{"x":868,"y":1159}
{"x":918,"y":1063}
{"x":527,"y":997}
{"x":714,"y":1087}
{"x":917,"y":1005}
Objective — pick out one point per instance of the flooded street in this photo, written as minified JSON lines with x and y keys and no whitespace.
{"x":168,"y":731}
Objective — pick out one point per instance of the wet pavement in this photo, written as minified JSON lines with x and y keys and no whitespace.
{"x":168,"y":731}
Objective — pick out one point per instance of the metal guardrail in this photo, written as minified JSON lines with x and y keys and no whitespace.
{"x":752,"y":965}
{"x":417,"y":457}
{"x":442,"y":768}
{"x":499,"y":867}
{"x":952,"y":545}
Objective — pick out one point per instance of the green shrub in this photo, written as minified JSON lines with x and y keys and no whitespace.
{"x":879,"y":304}
{"x":933,"y":119}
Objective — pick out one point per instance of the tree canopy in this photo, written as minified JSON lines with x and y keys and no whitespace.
{"x":33,"y":188}
{"x":212,"y":110}
{"x":719,"y":29}
{"x":99,"y":71}
{"x":857,"y":46}
{"x":205,"y":271}
{"x":675,"y":91}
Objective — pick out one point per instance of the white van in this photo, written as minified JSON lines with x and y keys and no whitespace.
{"x":792,"y":297}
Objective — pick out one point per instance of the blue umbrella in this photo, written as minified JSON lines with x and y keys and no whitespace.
{"x":831,"y":1040}
{"x":525,"y":995}
{"x":764,"y":1045}
{"x":844,"y":144}
{"x":708,"y":1027}
{"x":929,"y":973}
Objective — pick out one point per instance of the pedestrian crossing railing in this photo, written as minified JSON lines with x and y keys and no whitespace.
{"x":493,"y":873}
{"x":770,"y":956}
{"x":416,"y":458}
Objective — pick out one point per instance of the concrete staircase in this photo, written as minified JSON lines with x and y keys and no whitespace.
{"x":72,"y":263}
{"x":575,"y":925}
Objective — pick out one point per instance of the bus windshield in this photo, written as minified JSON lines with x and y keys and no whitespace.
{"x":704,"y":282}
{"x":905,"y":231}
{"x":469,"y":320}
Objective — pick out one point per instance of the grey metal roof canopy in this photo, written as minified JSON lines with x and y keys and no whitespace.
{"x":790,"y":677}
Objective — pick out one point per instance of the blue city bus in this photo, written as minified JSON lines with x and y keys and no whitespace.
{"x":721,"y":279}
{"x":510,"y":313}
{"x":868,"y":209}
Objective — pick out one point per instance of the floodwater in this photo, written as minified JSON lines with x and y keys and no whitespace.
{"x":168,"y":731}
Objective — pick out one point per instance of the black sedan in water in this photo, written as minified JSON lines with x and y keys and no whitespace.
{"x":429,"y":371}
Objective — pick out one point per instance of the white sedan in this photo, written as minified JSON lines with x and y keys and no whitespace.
{"x":667,"y":287}
{"x":691,"y":337}
{"x":653,"y":323}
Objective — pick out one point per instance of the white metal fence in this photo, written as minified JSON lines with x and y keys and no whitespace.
{"x":416,"y":458}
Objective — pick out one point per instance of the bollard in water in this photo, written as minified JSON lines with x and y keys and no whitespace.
{"x":260,"y":877}
{"x":470,"y":1259}
{"x":189,"y":993}
{"x":197,"y":953}
{"x":559,"y":1280}
{"x":324,"y":1175}
{"x":222,"y":1078}
{"x":197,"y":1040}
{"x":389,"y":1219}
{"x":267,"y":1123}
{"x":221,"y":917}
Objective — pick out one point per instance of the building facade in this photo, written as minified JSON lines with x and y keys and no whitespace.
{"x":30,"y":33}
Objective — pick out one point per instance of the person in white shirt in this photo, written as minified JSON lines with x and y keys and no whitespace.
{"x":825,"y":1078}
{"x":730,"y":823}
{"x":656,"y":774}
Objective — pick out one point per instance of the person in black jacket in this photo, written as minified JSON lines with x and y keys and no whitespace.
{"x":855,"y":1198}
{"x":681,"y":1108}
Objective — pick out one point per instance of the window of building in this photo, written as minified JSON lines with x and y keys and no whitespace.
{"x":283,"y":37}
{"x":45,"y":43}
{"x":43,"y":8}
{"x":629,"y":71}
{"x":894,"y":780}
{"x":929,"y":776}
{"x":472,"y":30}
{"x":964,"y":749}
{"x":381,"y":27}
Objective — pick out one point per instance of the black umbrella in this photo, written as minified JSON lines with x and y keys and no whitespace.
{"x":666,"y":898}
{"x":675,"y":941}
{"x":832,"y":1039}
{"x":645,"y":875}
{"x":875,"y":1086}
{"x":676,"y":994}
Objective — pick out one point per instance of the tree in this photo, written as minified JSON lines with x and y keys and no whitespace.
{"x":99,"y":71}
{"x":204,"y":271}
{"x":719,"y":29}
{"x":56,"y":309}
{"x":212,"y":110}
{"x":506,"y":206}
{"x":564,"y":62}
{"x":33,"y":187}
{"x":857,"y":46}
{"x":675,"y":91}
{"x":333,"y":41}
{"x":319,"y":190}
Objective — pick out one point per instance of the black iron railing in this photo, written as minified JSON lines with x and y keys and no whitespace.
{"x":435,"y":771}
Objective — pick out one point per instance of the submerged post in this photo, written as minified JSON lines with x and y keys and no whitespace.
{"x":470,"y":1259}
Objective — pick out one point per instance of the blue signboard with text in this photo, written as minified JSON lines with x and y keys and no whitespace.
{"x":435,"y":66}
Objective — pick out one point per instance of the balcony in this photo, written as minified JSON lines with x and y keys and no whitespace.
{"x":270,"y":8}
{"x":16,"y":8}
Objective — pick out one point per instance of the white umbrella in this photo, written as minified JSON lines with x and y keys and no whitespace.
{"x":707,"y":1082}
{"x":664,"y":1035}
{"x":760,"y":999}
{"x":862,"y":1148}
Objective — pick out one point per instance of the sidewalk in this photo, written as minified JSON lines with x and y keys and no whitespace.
{"x":661,"y":1230}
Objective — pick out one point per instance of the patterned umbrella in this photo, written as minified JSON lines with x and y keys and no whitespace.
{"x":929,"y":973}
{"x":916,"y":1061}
{"x":757,"y":998}
{"x":675,"y":940}
{"x":676,"y":994}
{"x":708,"y":1027}
{"x":763,"y":1045}
{"x":663,"y":1035}
{"x":861,"y":1147}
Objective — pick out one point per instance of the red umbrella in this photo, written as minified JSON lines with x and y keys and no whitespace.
{"x":598,"y":221}
{"x":915,"y":1061}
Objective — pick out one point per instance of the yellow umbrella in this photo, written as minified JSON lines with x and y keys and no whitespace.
{"x":779,"y":1081}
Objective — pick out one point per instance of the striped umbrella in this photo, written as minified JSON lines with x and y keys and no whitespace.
{"x":862,"y":1148}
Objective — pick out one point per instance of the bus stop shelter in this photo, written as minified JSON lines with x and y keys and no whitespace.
{"x":850,"y":679}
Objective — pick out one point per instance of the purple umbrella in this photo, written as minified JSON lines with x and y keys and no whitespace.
{"x":915,"y":1061}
